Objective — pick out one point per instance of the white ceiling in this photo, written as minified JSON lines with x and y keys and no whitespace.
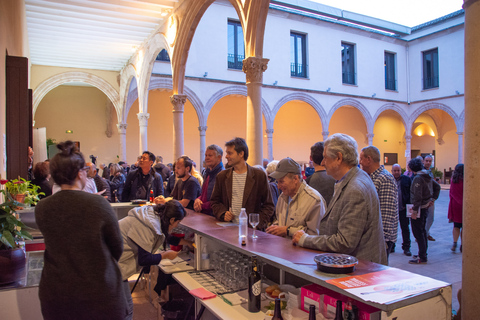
{"x":90,"y":34}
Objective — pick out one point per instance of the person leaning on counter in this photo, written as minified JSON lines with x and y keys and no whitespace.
{"x":144,"y":230}
{"x":241,"y":186}
{"x":299,"y":206}
{"x":352,"y":224}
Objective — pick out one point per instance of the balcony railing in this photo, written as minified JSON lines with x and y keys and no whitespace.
{"x":430,"y":82}
{"x":235,"y":61}
{"x":348,"y":77}
{"x":297,"y":70}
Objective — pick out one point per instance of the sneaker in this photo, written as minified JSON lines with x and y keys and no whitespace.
{"x":407,"y":252}
{"x":454,"y":247}
{"x":430,"y":238}
{"x":417,"y":261}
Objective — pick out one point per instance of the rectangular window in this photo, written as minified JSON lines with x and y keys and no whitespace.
{"x":236,"y":49}
{"x":348,"y":63}
{"x":390,"y":80}
{"x":163,"y":56}
{"x":430,"y":69}
{"x":298,"y":55}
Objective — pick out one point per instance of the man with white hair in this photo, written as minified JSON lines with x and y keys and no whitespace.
{"x":352,"y":223}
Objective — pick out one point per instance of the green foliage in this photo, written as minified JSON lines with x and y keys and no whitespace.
{"x":437,"y":173}
{"x":51,"y":141}
{"x":12,"y":230}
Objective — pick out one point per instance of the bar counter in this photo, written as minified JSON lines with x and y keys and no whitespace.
{"x":282,"y":254}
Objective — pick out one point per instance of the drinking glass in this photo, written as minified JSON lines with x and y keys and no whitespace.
{"x":254,"y":219}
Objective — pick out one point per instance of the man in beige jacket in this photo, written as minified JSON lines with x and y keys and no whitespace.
{"x":299,"y":207}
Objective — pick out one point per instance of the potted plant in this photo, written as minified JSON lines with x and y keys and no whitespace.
{"x":12,"y":231}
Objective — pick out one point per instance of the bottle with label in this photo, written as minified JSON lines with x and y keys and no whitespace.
{"x":311,"y":313}
{"x":338,"y":311}
{"x":152,"y":198}
{"x":277,"y":315}
{"x":254,"y":288}
{"x":243,"y":226}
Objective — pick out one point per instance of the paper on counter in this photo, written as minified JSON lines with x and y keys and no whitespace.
{"x":168,"y":262}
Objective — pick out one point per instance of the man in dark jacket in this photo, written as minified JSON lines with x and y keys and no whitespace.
{"x":140,"y":182}
{"x":403,"y":188}
{"x":213,"y":161}
{"x":162,"y":169}
{"x":423,"y":192}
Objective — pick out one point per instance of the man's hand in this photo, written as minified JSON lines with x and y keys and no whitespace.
{"x":197,"y":206}
{"x":160,"y":200}
{"x":170,"y":254}
{"x":277,"y":230}
{"x":297,"y":236}
{"x":414,"y":216}
{"x":228,"y":216}
{"x":101,"y":192}
{"x":430,"y":203}
{"x":187,"y":243}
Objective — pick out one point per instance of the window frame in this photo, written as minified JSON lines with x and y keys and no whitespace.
{"x":433,"y":81}
{"x":390,"y":78}
{"x":354,"y":65}
{"x":237,"y":63}
{"x":294,"y":66}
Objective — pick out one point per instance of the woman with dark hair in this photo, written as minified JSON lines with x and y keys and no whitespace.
{"x":455,"y":207}
{"x":80,"y":278}
{"x":145,"y":230}
{"x":117,"y":181}
{"x":41,"y":172}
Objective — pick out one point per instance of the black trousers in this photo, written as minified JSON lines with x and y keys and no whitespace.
{"x":404,"y":225}
{"x":419,"y":232}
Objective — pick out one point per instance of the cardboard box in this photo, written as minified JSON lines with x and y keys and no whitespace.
{"x":312,"y":294}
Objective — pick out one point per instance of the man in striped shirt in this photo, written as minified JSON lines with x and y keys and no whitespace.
{"x":241,"y":186}
{"x":387,"y":193}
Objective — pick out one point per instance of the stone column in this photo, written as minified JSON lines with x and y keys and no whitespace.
{"x":471,"y":200}
{"x":178,"y":102}
{"x":408,"y":148}
{"x":269,"y":133}
{"x":370,"y":138}
{"x":122,"y":131}
{"x":203,"y":146}
{"x":254,"y":68}
{"x":460,"y":147}
{"x":143,"y":122}
{"x":325,"y":135}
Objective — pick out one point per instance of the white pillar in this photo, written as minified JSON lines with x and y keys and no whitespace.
{"x":269,"y":133}
{"x":143,"y":122}
{"x":370,"y":139}
{"x":122,"y":131}
{"x":203,"y":146}
{"x":178,"y":102}
{"x":408,"y":148}
{"x":460,"y":147}
{"x":325,"y":135}
{"x":254,"y":68}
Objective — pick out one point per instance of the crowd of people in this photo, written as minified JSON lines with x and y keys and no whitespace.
{"x":349,"y":203}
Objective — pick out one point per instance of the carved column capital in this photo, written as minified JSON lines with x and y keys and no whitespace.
{"x":459,"y":133}
{"x":202,"y":129}
{"x":408,"y":138}
{"x":178,"y":102}
{"x":269,"y":131}
{"x":254,"y":68}
{"x":143,"y":119}
{"x":370,"y":135}
{"x":122,"y":128}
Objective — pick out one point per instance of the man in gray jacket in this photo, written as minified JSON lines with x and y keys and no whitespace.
{"x":299,"y":207}
{"x":352,"y":224}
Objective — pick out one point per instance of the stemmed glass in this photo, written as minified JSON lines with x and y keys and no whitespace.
{"x":254,"y":219}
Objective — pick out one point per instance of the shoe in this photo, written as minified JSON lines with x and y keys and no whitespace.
{"x":417,"y":261}
{"x":407,"y":252}
{"x":454,"y":247}
{"x":415,"y":257}
{"x":430,"y":238}
{"x":392,"y":250}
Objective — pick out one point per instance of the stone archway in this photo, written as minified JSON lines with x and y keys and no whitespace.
{"x":356,"y":104}
{"x":77,"y":76}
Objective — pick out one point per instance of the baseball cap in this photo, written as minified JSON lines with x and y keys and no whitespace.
{"x":285,"y":166}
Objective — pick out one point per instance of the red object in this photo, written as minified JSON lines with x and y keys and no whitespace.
{"x":35,"y":247}
{"x":179,"y":247}
{"x":152,"y":198}
{"x":202,"y":293}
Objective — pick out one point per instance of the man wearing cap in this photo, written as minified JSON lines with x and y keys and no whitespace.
{"x":299,"y":207}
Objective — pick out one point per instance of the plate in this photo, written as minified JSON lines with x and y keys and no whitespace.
{"x":335,"y":262}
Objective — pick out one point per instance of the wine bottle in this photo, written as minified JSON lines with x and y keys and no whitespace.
{"x":254,"y":288}
{"x":277,"y":315}
{"x":338,"y":311}
{"x":311,"y":314}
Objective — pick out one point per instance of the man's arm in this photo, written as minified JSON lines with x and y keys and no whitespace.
{"x":267,"y":209}
{"x":158,"y":181}
{"x":388,"y":198}
{"x":436,"y":189}
{"x":218,"y":207}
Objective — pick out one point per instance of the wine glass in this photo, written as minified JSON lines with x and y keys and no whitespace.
{"x":254,"y":219}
